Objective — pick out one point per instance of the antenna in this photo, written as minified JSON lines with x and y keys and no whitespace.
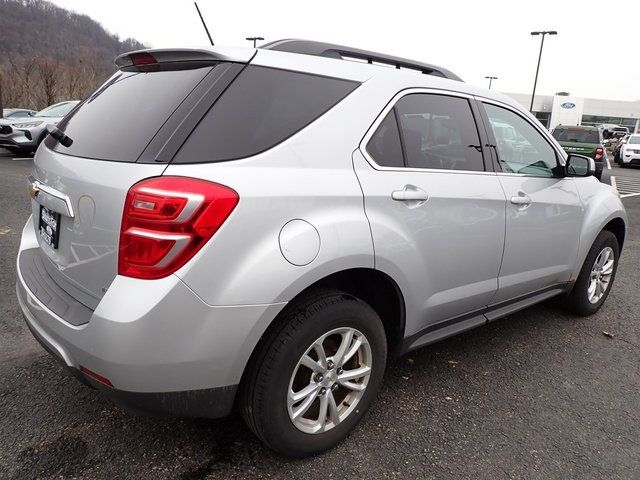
{"x":204,"y":24}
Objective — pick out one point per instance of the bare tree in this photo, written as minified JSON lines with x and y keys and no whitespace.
{"x":49,"y":73}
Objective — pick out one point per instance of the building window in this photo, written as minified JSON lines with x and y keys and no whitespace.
{"x":596,"y":120}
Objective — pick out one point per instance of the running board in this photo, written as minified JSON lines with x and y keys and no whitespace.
{"x":453,"y":326}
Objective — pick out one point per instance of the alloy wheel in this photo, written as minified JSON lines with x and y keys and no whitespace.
{"x":600,"y":276}
{"x":329,"y":380}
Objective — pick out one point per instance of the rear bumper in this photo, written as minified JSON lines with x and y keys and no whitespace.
{"x":162,"y":348}
{"x":204,"y":403}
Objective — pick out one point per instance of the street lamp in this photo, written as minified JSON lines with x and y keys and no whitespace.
{"x":254,"y":40}
{"x":535,"y":82}
{"x":490,"y":80}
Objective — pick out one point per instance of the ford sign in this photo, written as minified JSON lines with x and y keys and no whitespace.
{"x":568,"y":105}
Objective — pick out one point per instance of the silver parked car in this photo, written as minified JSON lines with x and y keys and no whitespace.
{"x":22,"y":135}
{"x":17,"y":112}
{"x":264,"y":227}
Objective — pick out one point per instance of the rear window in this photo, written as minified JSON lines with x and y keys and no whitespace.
{"x":120,"y":118}
{"x":261,"y":108}
{"x":577,"y":136}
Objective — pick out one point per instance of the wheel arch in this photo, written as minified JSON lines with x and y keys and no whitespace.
{"x":618,"y":227}
{"x":372,"y":286}
{"x":603,"y":211}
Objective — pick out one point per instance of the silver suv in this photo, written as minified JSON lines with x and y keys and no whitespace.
{"x":264,"y":227}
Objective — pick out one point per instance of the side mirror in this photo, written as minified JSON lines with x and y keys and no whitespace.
{"x":580,"y":166}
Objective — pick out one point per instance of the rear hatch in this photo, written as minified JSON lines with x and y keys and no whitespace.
{"x":578,"y":140}
{"x":124,"y":132}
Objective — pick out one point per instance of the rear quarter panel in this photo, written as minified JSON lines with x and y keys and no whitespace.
{"x":309,"y":177}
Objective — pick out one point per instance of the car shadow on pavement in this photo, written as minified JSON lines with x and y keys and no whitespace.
{"x":74,"y":432}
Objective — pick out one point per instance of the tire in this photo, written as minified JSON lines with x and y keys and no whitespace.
{"x":275,"y":371}
{"x":578,"y":301}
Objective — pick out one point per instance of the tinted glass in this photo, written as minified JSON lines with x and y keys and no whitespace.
{"x":384,"y":146}
{"x":577,"y":135}
{"x":439,"y":132}
{"x":260,"y":109}
{"x":521,"y":148}
{"x":119,"y":119}
{"x":634,"y":140}
{"x":57,"y":110}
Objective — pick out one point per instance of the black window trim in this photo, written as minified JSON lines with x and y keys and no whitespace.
{"x":559,"y":152}
{"x":486,"y":155}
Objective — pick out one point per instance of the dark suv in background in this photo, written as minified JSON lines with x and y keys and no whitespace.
{"x":582,"y":140}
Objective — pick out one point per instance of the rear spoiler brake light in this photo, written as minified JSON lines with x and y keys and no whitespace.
{"x":155,"y":59}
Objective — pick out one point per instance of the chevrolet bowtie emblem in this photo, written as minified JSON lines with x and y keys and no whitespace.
{"x":34,"y":189}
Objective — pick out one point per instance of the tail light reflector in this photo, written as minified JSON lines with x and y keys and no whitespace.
{"x":96,"y":376}
{"x":167,"y":220}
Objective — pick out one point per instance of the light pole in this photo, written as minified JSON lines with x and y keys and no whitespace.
{"x":254,"y":39}
{"x":535,"y":82}
{"x":490,"y":80}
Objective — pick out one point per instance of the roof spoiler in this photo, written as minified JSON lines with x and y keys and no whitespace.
{"x":182,"y":58}
{"x":330,"y":50}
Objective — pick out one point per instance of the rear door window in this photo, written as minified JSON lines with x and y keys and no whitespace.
{"x":439,"y":132}
{"x":260,"y":109}
{"x":120,"y":118}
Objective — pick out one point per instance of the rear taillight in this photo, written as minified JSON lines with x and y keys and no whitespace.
{"x":599,"y":153}
{"x":166,"y":220}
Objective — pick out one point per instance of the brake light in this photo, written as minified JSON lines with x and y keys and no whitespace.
{"x":599,"y":153}
{"x":142,"y":58}
{"x":166,"y":220}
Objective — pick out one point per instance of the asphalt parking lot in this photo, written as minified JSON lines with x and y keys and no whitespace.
{"x":540,"y":394}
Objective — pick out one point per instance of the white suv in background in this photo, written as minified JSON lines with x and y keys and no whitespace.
{"x":630,"y":151}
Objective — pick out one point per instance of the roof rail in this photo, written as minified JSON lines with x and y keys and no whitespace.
{"x":330,"y":50}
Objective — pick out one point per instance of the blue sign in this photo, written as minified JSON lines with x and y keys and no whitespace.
{"x":568,"y":105}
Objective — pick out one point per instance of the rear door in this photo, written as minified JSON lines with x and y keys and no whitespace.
{"x":118,"y":137}
{"x":436,"y":214}
{"x":544,"y":211}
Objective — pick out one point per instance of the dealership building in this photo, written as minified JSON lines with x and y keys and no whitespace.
{"x":562,"y":108}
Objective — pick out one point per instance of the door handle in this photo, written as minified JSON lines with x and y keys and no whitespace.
{"x":521,"y":200}
{"x":410,"y":193}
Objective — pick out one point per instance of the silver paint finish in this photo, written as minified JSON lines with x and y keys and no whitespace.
{"x":439,"y":235}
{"x":299,"y":242}
{"x":445,"y":252}
{"x":88,"y":246}
{"x":542,"y":234}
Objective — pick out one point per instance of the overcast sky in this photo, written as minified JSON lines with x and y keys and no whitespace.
{"x":472,"y":38}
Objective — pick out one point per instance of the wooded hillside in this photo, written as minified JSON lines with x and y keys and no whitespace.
{"x":49,"y":54}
